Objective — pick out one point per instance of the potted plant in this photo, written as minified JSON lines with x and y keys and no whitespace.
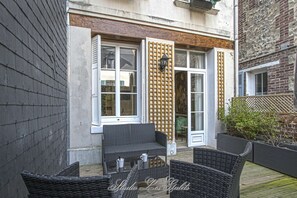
{"x":278,"y":151}
{"x":239,"y":128}
{"x":243,"y":124}
{"x":273,"y":146}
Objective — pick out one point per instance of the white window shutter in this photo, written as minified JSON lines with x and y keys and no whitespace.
{"x":142,"y":69}
{"x":96,"y":61}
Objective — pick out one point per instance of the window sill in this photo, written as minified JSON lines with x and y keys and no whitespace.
{"x":95,"y":129}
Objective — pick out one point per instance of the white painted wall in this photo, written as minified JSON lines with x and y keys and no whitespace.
{"x":83,"y":146}
{"x":214,"y":125}
{"x":229,"y":75}
{"x":161,"y":12}
{"x":211,"y":98}
{"x":229,"y":82}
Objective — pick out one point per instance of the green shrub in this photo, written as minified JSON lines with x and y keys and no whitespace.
{"x":248,"y":123}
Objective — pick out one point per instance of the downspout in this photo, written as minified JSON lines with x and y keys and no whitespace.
{"x":295,"y":84}
{"x":68,"y":80}
{"x":236,"y":50}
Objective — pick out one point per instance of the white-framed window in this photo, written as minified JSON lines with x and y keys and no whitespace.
{"x":261,"y":84}
{"x":256,"y":82}
{"x":119,"y":73}
{"x":192,"y":60}
{"x":256,"y":78}
{"x":116,"y":83}
{"x":241,"y":84}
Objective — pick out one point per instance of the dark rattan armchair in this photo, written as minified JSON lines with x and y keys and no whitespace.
{"x":67,"y":183}
{"x":214,"y":174}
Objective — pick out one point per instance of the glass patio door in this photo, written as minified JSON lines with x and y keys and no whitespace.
{"x":196,"y":109}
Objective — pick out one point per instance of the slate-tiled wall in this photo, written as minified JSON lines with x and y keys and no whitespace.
{"x":33,"y":90}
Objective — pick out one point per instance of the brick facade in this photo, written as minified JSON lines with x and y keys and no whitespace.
{"x":33,"y":90}
{"x":267,"y":33}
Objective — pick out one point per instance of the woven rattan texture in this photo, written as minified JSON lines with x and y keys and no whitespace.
{"x":204,"y":181}
{"x":161,"y":88}
{"x":217,"y":160}
{"x":131,"y":181}
{"x":214,"y":174}
{"x":71,"y":170}
{"x":60,"y":186}
{"x":65,"y":186}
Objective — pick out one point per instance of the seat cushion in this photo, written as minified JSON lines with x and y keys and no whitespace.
{"x":133,"y":150}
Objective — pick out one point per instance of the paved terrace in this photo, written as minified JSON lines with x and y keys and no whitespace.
{"x":256,"y":181}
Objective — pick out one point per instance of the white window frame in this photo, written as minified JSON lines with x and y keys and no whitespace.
{"x":188,"y":68}
{"x":250,"y":81}
{"x":249,"y":74}
{"x":100,"y":120}
{"x":190,"y":71}
{"x":118,"y":118}
{"x":261,"y":83}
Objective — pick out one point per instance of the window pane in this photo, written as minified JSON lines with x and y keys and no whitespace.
{"x":197,"y":60}
{"x":118,"y":90}
{"x":107,"y":57}
{"x":128,"y":104}
{"x":128,"y":81}
{"x":240,"y":85}
{"x":107,"y":81}
{"x":197,"y":121}
{"x":197,"y":102}
{"x":180,"y":58}
{"x":240,"y":79}
{"x":265,"y":83}
{"x":108,"y":105}
{"x":128,"y":59}
{"x":258,"y":84}
{"x":197,"y":83}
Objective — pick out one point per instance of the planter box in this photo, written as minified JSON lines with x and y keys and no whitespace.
{"x":289,"y":146}
{"x":281,"y":159}
{"x":232,"y":144}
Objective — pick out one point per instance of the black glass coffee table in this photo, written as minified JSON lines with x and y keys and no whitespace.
{"x":154,"y":168}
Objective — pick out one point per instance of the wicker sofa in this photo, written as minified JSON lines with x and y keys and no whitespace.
{"x":67,"y":183}
{"x":131,"y":140}
{"x":214,"y":174}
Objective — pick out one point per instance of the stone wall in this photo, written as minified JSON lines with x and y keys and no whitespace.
{"x":33,"y":91}
{"x":280,"y":76}
{"x":257,"y":31}
{"x":267,"y":33}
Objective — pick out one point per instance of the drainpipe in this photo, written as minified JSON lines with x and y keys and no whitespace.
{"x":236,"y":50}
{"x":68,"y":75}
{"x":295,"y":84}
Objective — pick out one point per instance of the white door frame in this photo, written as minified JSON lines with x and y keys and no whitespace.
{"x":200,"y":136}
{"x":203,"y":134}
